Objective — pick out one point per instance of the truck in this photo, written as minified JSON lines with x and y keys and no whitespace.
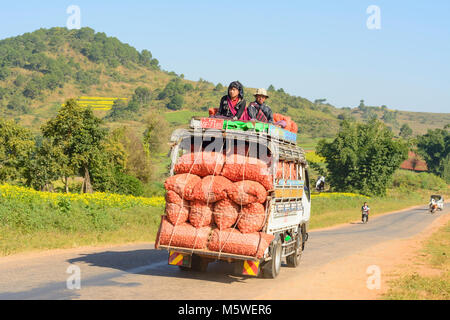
{"x":288,"y":204}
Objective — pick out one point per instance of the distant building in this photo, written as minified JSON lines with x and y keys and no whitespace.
{"x":414,"y":163}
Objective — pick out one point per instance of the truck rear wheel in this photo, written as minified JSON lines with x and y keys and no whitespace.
{"x":294,"y":259}
{"x":271,"y":269}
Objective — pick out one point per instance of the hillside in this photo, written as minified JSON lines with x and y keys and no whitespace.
{"x":41,"y":70}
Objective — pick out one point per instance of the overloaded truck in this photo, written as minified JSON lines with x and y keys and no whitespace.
{"x":237,"y":192}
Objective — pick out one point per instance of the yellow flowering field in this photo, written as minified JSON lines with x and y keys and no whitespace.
{"x":98,"y":103}
{"x":98,"y":198}
{"x":333,"y":195}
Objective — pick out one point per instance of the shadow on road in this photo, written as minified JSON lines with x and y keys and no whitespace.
{"x":155,"y":263}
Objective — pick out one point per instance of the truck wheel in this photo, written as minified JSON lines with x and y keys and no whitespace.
{"x":272,"y":267}
{"x":294,"y":259}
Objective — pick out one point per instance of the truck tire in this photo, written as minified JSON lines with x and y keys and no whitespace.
{"x":271,"y":269}
{"x":294,"y":259}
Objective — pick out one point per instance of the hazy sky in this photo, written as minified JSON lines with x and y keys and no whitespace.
{"x":313,"y":49}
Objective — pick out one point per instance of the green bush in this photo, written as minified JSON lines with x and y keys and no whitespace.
{"x":409,"y":180}
{"x":126,"y":184}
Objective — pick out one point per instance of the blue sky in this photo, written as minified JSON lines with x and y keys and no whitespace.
{"x":313,"y":49}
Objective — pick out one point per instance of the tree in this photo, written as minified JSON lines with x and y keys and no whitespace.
{"x":78,"y":133}
{"x":16,"y":146}
{"x":156,"y":134}
{"x":176,"y":102}
{"x":142,"y":95}
{"x":405,"y":131}
{"x":434,"y":147}
{"x":389,"y":116}
{"x":219,"y":87}
{"x":361,"y":106}
{"x":118,"y":110}
{"x":48,"y":163}
{"x":363,"y":157}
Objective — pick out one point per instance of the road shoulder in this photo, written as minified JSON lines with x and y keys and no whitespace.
{"x":353,"y":277}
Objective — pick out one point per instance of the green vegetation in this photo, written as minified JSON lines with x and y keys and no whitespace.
{"x":434,"y":147}
{"x":417,"y":286}
{"x":16,"y":145}
{"x":362,"y":158}
{"x":37,"y":225}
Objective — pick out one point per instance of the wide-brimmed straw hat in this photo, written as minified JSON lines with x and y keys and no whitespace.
{"x":261,"y":92}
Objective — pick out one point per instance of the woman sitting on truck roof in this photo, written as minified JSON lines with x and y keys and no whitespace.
{"x":233,"y":105}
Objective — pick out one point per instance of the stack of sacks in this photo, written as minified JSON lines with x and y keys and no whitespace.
{"x":290,"y":124}
{"x":202,"y":192}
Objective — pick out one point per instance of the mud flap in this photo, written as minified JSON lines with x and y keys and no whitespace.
{"x":180,"y":259}
{"x":247,"y":268}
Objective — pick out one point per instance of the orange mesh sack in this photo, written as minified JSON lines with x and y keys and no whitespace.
{"x":233,"y":241}
{"x":177,"y":214}
{"x":183,"y":235}
{"x":173,"y":197}
{"x":293,"y":171}
{"x":200,"y":163}
{"x":213,"y":111}
{"x":200,"y":214}
{"x":211,"y":189}
{"x":246,"y":192}
{"x":182,"y":184}
{"x":238,"y":168}
{"x":287,"y":170}
{"x":280,"y":167}
{"x":294,"y":127}
{"x":252,"y":218}
{"x":225,"y":213}
{"x":277,"y":117}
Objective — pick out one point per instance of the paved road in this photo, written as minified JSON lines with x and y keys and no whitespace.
{"x":140,"y":272}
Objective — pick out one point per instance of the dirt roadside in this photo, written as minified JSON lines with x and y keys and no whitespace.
{"x":347,"y":278}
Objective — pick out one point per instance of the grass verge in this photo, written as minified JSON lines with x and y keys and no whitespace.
{"x":33,"y":226}
{"x":417,"y":286}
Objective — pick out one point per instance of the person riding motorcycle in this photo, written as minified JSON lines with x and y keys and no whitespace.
{"x":320,"y":184}
{"x":365,"y":210}
{"x":433,"y":205}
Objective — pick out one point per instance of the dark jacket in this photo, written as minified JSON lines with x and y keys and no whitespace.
{"x":254,"y":107}
{"x":224,"y":109}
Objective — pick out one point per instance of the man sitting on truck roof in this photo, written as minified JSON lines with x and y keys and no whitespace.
{"x":233,"y":105}
{"x":258,"y":110}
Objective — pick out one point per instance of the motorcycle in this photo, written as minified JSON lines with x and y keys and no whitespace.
{"x":433,"y":207}
{"x":365,"y":217}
